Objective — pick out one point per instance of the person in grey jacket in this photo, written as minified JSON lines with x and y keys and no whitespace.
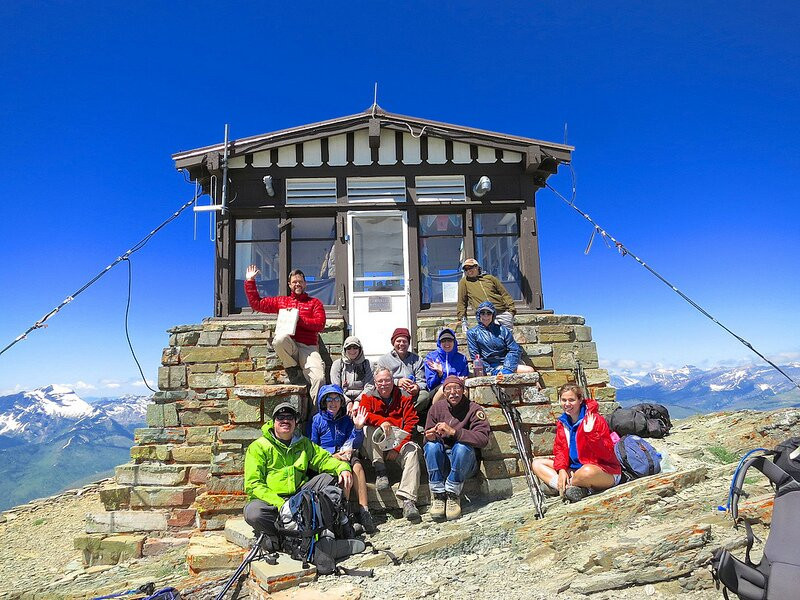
{"x":353,"y":373}
{"x":407,"y":368}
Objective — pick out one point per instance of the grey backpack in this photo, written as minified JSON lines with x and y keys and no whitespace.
{"x":777,"y":574}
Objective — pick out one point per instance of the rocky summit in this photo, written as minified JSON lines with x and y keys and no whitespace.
{"x":651,"y":538}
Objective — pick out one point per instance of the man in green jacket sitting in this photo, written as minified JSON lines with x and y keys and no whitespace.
{"x":276,"y":467}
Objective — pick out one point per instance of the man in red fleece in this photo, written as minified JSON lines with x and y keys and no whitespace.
{"x":389,"y":407}
{"x":299,"y":353}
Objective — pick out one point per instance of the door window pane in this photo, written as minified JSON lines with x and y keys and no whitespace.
{"x":497,"y":249}
{"x":441,"y":250}
{"x":378,"y":254}
{"x":313,"y":252}
{"x":264,"y":255}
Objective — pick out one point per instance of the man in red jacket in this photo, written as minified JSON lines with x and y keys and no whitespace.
{"x":299,"y":353}
{"x":389,"y":407}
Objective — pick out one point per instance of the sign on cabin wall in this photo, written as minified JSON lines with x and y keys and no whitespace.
{"x":380,"y":304}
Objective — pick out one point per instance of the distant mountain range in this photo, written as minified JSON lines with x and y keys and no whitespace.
{"x":690,"y":390}
{"x":51,"y":438}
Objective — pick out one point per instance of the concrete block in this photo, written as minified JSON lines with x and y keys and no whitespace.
{"x":109,"y":550}
{"x":158,"y":435}
{"x":209,"y":338}
{"x":245,"y":410}
{"x":188,"y":338}
{"x":158,"y":452}
{"x":115,"y":497}
{"x":158,"y":546}
{"x":150,"y":474}
{"x":564,"y":355}
{"x":227,"y":459}
{"x":192,"y":454}
{"x":192,"y":418}
{"x":225,"y":484}
{"x":171,"y":356}
{"x":172,"y":377}
{"x":288,"y":573}
{"x":211,"y":552}
{"x":201,"y":435}
{"x":238,"y":532}
{"x":162,"y":415}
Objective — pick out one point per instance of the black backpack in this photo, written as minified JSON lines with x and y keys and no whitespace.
{"x":644,"y":420}
{"x":783,"y":459}
{"x":777,"y":575}
{"x":318,"y":530}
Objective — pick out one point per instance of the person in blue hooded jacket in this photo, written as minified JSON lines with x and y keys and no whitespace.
{"x":445,"y":360}
{"x":341,"y":435}
{"x":494,"y":343}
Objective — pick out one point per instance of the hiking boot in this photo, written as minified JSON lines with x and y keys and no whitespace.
{"x":366,"y":520}
{"x":295,"y":375}
{"x":381,"y":481}
{"x":453,"y":509}
{"x":437,"y":507}
{"x":410,"y":511}
{"x":549,"y":491}
{"x":574,"y":493}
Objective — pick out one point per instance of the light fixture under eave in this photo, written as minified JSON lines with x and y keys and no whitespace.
{"x":268,"y":185}
{"x":483,"y":186}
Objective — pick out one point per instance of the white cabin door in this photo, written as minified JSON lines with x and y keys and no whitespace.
{"x":378,"y":294}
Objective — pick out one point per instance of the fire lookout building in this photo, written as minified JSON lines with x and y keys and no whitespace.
{"x":378,"y":210}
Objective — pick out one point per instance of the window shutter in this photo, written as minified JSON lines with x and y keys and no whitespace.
{"x":320,"y":190}
{"x":447,"y":188}
{"x":376,"y":189}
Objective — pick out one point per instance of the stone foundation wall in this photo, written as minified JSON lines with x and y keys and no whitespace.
{"x":220,"y":380}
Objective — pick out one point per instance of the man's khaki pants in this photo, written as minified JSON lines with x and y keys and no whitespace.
{"x":293,"y":354}
{"x":408,"y":459}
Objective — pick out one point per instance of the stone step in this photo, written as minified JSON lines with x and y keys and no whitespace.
{"x":266,"y":579}
{"x":100,"y":549}
{"x":208,"y":552}
{"x":238,"y":532}
{"x":126,"y":521}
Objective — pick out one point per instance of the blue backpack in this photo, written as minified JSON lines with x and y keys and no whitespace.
{"x":637,"y":457}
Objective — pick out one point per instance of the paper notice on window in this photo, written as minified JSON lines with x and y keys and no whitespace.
{"x":287,"y":322}
{"x":449,"y":291}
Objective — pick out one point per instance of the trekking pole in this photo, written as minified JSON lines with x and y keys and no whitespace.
{"x":580,"y":375}
{"x":256,"y":553}
{"x":514,"y":423}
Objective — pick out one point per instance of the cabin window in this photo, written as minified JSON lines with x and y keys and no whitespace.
{"x":441,"y":251}
{"x":257,"y":243}
{"x":497,"y":248}
{"x":312,"y":250}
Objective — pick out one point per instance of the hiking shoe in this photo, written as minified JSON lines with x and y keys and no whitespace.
{"x":381,"y":482}
{"x":295,"y":375}
{"x":366,"y":520}
{"x":549,"y":491}
{"x":574,"y":493}
{"x":453,"y":509}
{"x":410,"y":511}
{"x":438,"y":507}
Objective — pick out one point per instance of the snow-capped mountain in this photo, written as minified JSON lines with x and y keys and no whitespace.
{"x":720,"y":388}
{"x":50,"y":438}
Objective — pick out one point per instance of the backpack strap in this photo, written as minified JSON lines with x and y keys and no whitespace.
{"x":354,"y":572}
{"x":773,"y":472}
{"x":392,"y":556}
{"x":750,"y":537}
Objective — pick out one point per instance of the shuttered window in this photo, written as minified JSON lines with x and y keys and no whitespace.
{"x":441,"y":188}
{"x":376,"y":189}
{"x":320,"y":190}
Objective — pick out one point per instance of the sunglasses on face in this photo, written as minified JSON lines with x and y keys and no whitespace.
{"x":485,"y":312}
{"x":284,"y":417}
{"x":353,"y":348}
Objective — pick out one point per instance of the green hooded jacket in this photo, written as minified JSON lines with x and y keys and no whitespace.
{"x":274,"y":470}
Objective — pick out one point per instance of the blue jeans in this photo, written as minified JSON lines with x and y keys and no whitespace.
{"x":457,"y":464}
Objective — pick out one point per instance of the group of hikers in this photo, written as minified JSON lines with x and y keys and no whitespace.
{"x":405,"y":409}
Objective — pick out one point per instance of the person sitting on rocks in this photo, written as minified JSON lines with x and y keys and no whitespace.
{"x":454,"y":432}
{"x":277,"y":465}
{"x":407,"y":369}
{"x":353,"y":373}
{"x":389,"y":407}
{"x":583,"y":453}
{"x":476,"y":287}
{"x":335,"y":431}
{"x":299,"y":353}
{"x":446,"y":360}
{"x":495,"y":344}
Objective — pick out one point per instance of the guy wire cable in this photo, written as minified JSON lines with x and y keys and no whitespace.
{"x":624,"y":251}
{"x":135,"y":248}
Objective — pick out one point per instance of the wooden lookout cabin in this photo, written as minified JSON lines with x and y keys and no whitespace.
{"x":378,"y":210}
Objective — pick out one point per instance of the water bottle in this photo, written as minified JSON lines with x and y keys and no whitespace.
{"x":477,"y":366}
{"x":464,"y":326}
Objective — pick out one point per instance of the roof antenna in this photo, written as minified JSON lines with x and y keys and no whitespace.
{"x":375,"y":100}
{"x":565,"y":133}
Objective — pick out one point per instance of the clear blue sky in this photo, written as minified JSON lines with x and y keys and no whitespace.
{"x":684,"y":116}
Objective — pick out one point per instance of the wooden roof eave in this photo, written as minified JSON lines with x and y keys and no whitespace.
{"x":303,"y":133}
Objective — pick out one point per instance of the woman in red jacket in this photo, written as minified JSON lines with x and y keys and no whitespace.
{"x":583,"y":454}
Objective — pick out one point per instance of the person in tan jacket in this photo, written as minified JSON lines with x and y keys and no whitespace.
{"x":477,"y":287}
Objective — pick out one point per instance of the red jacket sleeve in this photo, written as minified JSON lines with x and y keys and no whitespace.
{"x":410,"y":419}
{"x":314,"y":320}
{"x":560,"y":449}
{"x":265,"y":305}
